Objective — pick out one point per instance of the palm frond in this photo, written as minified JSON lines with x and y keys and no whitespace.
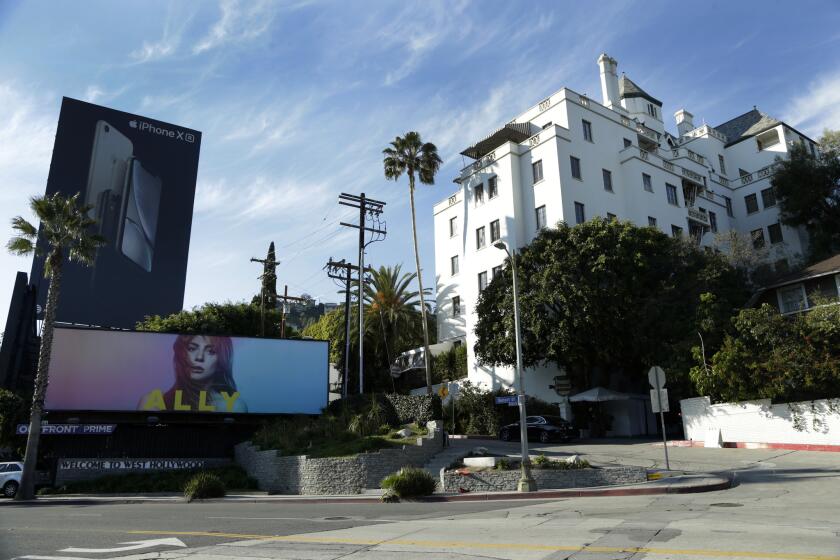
{"x":24,"y":228}
{"x":20,"y":246}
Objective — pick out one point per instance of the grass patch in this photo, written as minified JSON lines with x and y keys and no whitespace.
{"x":232,"y":477}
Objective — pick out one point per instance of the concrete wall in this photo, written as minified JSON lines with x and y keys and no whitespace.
{"x":492,"y":480}
{"x":333,"y":475}
{"x":811,"y":422}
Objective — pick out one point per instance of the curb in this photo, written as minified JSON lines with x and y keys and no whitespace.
{"x":646,"y":489}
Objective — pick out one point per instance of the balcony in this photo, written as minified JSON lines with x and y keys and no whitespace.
{"x":698,"y":216}
{"x":705,"y":130}
{"x":763,"y":173}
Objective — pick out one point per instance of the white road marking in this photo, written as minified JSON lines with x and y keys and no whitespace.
{"x":131,"y":545}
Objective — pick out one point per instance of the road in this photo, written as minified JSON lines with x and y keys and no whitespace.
{"x":786,"y":506}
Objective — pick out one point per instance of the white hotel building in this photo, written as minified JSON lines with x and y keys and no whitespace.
{"x":570,"y":158}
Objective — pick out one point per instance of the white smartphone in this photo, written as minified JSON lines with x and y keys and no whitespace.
{"x":109,"y":160}
{"x":139,"y":216}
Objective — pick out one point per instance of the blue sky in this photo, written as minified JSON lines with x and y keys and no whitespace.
{"x":297,"y":99}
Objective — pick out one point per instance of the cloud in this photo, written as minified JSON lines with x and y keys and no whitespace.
{"x":156,"y":50}
{"x":240,"y":21}
{"x":818,"y":108}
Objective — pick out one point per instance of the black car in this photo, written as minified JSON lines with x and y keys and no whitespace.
{"x":542,"y":428}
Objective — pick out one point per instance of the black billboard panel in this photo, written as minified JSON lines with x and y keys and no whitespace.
{"x":139,"y":176}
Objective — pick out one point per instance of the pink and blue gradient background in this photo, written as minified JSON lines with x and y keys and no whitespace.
{"x":112,"y":370}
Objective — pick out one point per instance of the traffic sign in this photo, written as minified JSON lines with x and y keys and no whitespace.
{"x":443,"y":391}
{"x":656,"y":377}
{"x":659,"y":400}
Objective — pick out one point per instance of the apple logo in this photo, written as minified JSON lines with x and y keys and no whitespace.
{"x":132,"y":124}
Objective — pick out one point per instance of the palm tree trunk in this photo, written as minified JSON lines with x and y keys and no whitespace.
{"x":427,"y":354}
{"x":27,"y":479}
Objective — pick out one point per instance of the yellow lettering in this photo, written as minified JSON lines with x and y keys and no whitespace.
{"x":230,"y":400}
{"x":177,"y":405}
{"x":154,"y":401}
{"x":202,"y":403}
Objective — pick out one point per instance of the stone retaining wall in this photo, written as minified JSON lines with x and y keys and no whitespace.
{"x":74,"y":470}
{"x":493,"y":480}
{"x":333,"y":475}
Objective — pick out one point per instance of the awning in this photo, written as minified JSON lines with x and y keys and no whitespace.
{"x":600,"y":394}
{"x":511,"y":132}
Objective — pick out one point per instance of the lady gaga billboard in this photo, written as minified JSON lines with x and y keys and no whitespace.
{"x":123,"y":371}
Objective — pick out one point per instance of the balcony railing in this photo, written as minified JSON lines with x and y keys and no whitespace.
{"x":698,"y":216}
{"x":706,"y":130}
{"x":692,"y":175}
{"x":479,"y":163}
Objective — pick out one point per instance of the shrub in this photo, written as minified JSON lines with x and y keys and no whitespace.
{"x":540,"y":461}
{"x":410,"y":482}
{"x":204,"y":485}
{"x":503,"y":465}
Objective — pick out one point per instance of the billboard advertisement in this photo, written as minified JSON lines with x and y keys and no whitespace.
{"x":138,"y":175}
{"x":120,"y":371}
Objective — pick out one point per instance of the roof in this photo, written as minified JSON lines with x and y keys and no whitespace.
{"x":831,"y":265}
{"x":627,"y":88}
{"x":511,"y":132}
{"x":747,"y":125}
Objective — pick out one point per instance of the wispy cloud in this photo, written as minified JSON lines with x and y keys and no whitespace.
{"x":818,"y":108}
{"x":239,"y":21}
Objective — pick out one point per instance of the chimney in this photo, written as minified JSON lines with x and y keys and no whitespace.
{"x":685,"y":122}
{"x":609,"y":80}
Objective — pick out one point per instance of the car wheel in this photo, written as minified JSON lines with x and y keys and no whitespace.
{"x":544,"y":437}
{"x":504,"y":435}
{"x":10,"y":489}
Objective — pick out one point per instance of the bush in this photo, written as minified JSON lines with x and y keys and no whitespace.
{"x":204,"y":485}
{"x":450,"y":365}
{"x":410,"y":482}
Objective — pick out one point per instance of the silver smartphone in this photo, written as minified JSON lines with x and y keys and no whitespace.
{"x":139,"y":215}
{"x":109,"y":160}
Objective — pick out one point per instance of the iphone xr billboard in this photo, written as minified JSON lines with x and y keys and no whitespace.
{"x":120,"y":371}
{"x":138,"y":177}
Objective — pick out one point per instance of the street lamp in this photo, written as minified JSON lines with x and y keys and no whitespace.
{"x":526,"y":482}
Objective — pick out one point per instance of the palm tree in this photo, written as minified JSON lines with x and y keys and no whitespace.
{"x":395,"y":306}
{"x":411,"y":156}
{"x":66,"y":230}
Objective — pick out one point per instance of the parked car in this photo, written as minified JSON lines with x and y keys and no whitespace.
{"x":541,"y":428}
{"x":10,"y":478}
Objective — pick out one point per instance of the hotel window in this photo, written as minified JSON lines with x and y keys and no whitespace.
{"x":479,"y":194}
{"x":728,"y":206}
{"x":757,"y":238}
{"x":651,"y":108}
{"x":651,"y":221}
{"x":575,"y":167}
{"x":456,"y":306}
{"x":713,"y":221}
{"x":774,"y":231}
{"x":587,"y":131}
{"x":479,"y":238}
{"x":752,"y":203}
{"x":768,"y":197}
{"x":453,"y":265}
{"x":536,"y":171}
{"x":627,"y":143}
{"x":792,"y":299}
{"x":580,"y":215}
{"x":647,"y":182}
{"x":722,"y":164}
{"x":540,"y":217}
{"x":453,"y":227}
{"x":497,"y":270}
{"x":492,"y":187}
{"x":607,"y":179}
{"x":482,"y":281}
{"x":672,"y":194}
{"x":676,"y":231}
{"x":495,"y":231}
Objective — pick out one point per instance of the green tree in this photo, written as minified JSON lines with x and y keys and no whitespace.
{"x":808,"y":192}
{"x":607,"y":295}
{"x":231,"y":319}
{"x":410,"y":155}
{"x":66,"y":234}
{"x":771,"y":356}
{"x":330,"y":327}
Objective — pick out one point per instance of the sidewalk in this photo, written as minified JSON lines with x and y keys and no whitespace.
{"x":678,"y":484}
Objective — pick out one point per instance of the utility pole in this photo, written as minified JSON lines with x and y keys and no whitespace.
{"x":342,"y":272}
{"x":267,"y":278}
{"x":368,"y":208}
{"x":286,"y":298}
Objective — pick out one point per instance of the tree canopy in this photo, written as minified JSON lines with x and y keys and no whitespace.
{"x":607,"y":295}
{"x":808,"y":192}
{"x":231,"y":319}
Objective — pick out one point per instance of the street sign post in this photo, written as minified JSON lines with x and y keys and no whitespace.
{"x":659,"y":403}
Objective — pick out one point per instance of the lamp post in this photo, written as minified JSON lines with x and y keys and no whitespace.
{"x":526,"y":482}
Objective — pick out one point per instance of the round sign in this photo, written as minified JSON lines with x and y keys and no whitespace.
{"x":443,"y":391}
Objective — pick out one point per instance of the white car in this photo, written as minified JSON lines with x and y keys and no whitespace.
{"x":10,"y":478}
